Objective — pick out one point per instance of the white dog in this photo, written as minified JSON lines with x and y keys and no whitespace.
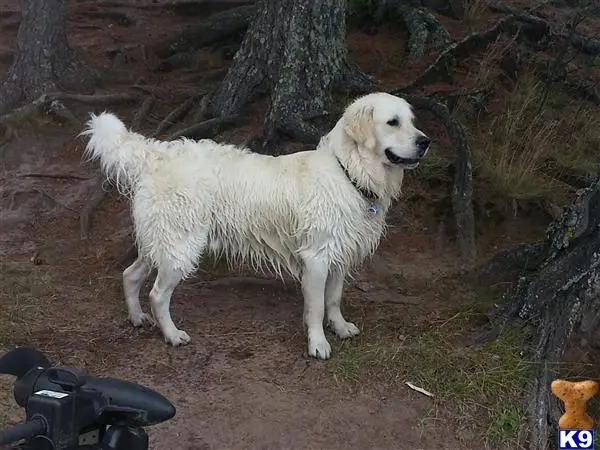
{"x":315,"y":214}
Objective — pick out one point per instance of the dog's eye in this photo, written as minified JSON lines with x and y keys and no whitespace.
{"x":393,"y":122}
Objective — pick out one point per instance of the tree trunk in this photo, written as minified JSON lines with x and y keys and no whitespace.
{"x":559,"y":294}
{"x":44,"y":61}
{"x":295,"y":50}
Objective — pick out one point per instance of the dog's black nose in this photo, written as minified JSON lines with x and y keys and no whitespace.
{"x":423,"y":145}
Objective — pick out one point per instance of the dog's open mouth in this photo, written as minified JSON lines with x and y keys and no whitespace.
{"x":397,"y":160}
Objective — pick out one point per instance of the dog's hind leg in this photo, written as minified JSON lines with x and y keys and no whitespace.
{"x":314,"y":279}
{"x":160,"y":299}
{"x":133,"y":279}
{"x":333,"y":302}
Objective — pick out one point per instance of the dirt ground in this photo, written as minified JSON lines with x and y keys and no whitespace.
{"x":245,"y":381}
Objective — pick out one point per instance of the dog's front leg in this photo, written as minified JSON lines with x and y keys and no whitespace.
{"x":333,"y":302}
{"x":314,"y":279}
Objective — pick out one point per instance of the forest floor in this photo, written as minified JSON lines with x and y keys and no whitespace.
{"x":245,"y":380}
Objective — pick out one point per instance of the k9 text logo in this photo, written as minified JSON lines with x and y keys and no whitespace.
{"x":575,"y":439}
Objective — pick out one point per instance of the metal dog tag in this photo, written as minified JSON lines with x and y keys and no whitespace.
{"x":372,"y":211}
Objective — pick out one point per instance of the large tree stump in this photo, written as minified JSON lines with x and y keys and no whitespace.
{"x":44,"y":61}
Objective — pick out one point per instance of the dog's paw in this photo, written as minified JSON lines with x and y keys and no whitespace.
{"x":177,"y":338}
{"x":345,"y":330}
{"x":319,"y":348}
{"x":142,"y":319}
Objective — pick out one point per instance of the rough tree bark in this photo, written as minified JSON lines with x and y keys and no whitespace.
{"x":296,"y":51}
{"x":558,"y":292}
{"x":44,"y":61}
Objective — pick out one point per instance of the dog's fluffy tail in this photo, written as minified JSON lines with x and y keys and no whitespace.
{"x":122,"y":153}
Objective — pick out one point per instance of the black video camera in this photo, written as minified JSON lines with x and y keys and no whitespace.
{"x":67,"y":410}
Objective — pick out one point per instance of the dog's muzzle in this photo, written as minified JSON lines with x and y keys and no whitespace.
{"x":398,"y":160}
{"x":422,"y":144}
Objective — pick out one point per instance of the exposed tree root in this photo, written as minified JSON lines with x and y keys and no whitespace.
{"x":142,"y":112}
{"x":177,"y":61}
{"x":177,"y":114}
{"x":586,"y":44}
{"x":217,"y":28}
{"x":14,"y":195}
{"x":473,"y":43}
{"x":85,"y":215}
{"x":462,"y":192}
{"x":510,"y":264}
{"x":352,"y":79}
{"x":50,"y":107}
{"x":298,"y":130}
{"x":207,"y":129}
{"x":96,"y":99}
{"x":45,"y":108}
{"x":119,"y":17}
{"x":57,"y":176}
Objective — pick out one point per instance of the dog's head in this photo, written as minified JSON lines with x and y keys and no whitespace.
{"x":381,"y":124}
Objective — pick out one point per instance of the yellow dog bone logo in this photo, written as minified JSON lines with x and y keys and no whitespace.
{"x":575,"y":396}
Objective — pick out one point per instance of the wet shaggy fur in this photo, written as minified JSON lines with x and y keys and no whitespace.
{"x":296,"y":213}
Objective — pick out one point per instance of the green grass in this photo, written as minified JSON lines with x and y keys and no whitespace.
{"x":539,"y":137}
{"x":434,"y":166}
{"x":507,"y":424}
{"x":474,"y":10}
{"x":482,"y":385}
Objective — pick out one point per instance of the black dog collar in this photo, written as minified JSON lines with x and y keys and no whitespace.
{"x":366,"y":193}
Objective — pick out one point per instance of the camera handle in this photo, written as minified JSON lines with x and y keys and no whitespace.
{"x":117,"y":437}
{"x":26,"y":430}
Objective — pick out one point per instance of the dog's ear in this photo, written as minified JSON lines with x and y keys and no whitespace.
{"x":360,"y":126}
